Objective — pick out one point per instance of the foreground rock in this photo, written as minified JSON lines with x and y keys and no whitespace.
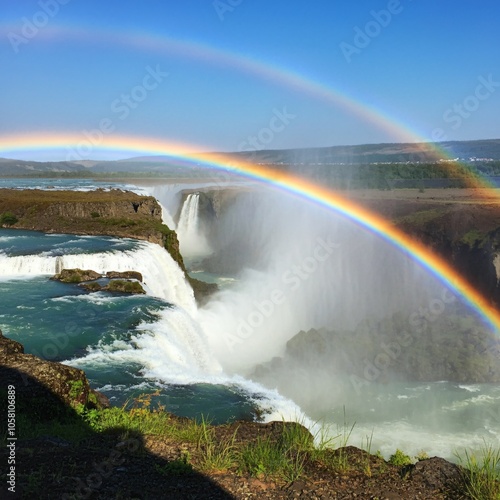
{"x":44,"y":388}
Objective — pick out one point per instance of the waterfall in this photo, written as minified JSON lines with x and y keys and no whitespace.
{"x":162,"y":276}
{"x":187,"y":228}
{"x":191,"y":238}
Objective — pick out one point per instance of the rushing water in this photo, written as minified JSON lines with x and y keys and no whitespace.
{"x":64,"y":184}
{"x":128,"y":345}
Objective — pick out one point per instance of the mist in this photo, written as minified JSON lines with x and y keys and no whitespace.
{"x":335,"y":318}
{"x":300,"y":267}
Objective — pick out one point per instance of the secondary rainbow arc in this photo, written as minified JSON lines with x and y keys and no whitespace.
{"x":285,"y":181}
{"x":269,"y":72}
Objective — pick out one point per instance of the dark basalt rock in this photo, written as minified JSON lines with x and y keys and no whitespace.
{"x":121,"y":286}
{"x":124,"y":286}
{"x":127,"y":275}
{"x":437,"y":474}
{"x":42,"y":385}
{"x":76,"y":276}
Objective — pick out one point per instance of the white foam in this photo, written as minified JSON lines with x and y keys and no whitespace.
{"x":389,"y":436}
{"x":97,"y":298}
{"x":482,"y":399}
{"x":11,"y":238}
{"x":174,"y":350}
{"x":470,"y":388}
{"x":163,"y":277}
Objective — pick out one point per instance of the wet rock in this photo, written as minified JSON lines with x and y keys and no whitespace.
{"x":76,"y":275}
{"x":124,"y":286}
{"x":92,"y":287}
{"x":127,"y":275}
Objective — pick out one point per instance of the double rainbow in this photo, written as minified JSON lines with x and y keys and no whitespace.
{"x":274,"y":75}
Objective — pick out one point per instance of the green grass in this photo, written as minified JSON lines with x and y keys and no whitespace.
{"x":216,"y":454}
{"x":270,"y":459}
{"x":125,"y":286}
{"x":474,"y":238}
{"x":283,"y":456}
{"x":422,"y":217}
{"x":76,"y":388}
{"x":368,"y":448}
{"x":8,"y":219}
{"x":400,"y":459}
{"x":340,"y":460}
{"x":482,"y":473}
{"x":178,"y":467}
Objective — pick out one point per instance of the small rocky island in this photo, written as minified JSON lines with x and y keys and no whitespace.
{"x":123,"y":282}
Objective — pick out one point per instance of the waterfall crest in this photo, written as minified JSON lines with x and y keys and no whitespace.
{"x":162,"y":276}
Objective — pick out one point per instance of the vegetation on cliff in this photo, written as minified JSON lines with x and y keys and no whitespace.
{"x":462,"y":226}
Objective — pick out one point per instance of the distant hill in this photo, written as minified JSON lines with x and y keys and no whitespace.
{"x":380,"y":153}
{"x":365,"y":153}
{"x":300,"y":160}
{"x":9,"y":168}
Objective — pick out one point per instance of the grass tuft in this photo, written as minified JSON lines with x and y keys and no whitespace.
{"x":400,"y":459}
{"x":482,"y":474}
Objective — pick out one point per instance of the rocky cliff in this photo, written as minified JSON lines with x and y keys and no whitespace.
{"x":110,"y":213}
{"x":463,"y":226}
{"x":46,"y":388}
{"x":115,"y":212}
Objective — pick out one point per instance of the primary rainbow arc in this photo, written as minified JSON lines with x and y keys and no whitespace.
{"x":284,"y":181}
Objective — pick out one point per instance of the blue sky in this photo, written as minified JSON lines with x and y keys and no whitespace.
{"x":430,"y":66}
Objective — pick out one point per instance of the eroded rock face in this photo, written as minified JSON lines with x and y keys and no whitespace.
{"x":41,"y":386}
{"x":142,"y":206}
